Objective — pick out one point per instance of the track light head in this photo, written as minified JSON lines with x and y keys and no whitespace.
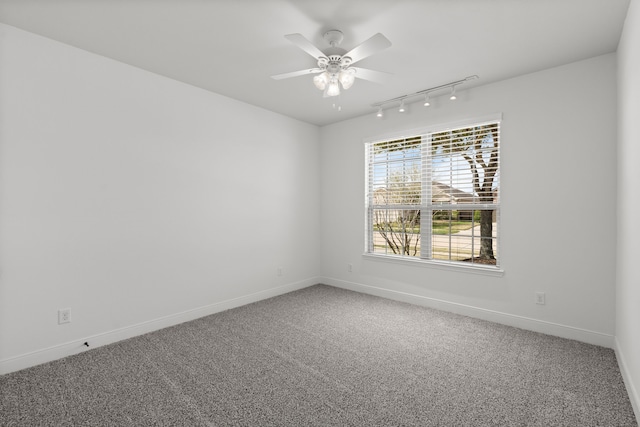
{"x":426,"y":100}
{"x":402,"y":109}
{"x":453,"y":96}
{"x":379,"y":114}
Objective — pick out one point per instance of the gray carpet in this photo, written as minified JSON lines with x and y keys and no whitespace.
{"x":324,"y":356}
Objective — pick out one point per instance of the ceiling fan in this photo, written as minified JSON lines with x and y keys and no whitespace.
{"x":336,"y":66}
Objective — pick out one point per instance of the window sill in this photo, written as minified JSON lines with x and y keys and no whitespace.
{"x":442,"y":265}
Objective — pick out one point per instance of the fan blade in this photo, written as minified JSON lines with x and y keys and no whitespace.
{"x":296,"y":73}
{"x":370,"y":46}
{"x":371,"y":75}
{"x":304,"y":44}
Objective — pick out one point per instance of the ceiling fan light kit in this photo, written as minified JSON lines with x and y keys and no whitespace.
{"x":336,"y":68}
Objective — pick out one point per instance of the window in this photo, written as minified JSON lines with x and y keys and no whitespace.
{"x":435,"y":195}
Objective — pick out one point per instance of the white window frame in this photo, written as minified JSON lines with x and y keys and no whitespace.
{"x":425,"y":259}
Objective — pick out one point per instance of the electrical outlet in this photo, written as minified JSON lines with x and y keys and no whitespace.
{"x":540,"y":298}
{"x":64,"y":316}
{"x":349,"y":268}
{"x":279,"y":271}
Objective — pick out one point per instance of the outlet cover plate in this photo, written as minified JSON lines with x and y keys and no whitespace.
{"x":64,"y":316}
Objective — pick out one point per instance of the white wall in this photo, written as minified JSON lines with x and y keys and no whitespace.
{"x":558,"y":232}
{"x":138,"y":201}
{"x":628,"y":280}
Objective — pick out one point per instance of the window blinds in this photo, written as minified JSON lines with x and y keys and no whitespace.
{"x":416,"y":180}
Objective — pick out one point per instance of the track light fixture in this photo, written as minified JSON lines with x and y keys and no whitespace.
{"x":426,"y":93}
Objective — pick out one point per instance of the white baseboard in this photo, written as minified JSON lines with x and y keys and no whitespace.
{"x":77,"y":346}
{"x":521,"y":322}
{"x":634,"y":396}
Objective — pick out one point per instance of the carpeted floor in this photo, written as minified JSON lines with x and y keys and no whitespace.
{"x":324,"y":356}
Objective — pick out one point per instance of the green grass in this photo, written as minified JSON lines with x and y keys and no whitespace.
{"x":440,"y":227}
{"x":398,"y":229}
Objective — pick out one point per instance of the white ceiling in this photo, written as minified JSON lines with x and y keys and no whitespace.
{"x":232,"y":47}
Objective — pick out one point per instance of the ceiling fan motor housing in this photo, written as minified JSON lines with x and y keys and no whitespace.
{"x":334,"y":63}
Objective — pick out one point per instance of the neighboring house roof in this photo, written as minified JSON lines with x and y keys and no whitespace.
{"x":443,"y":193}
{"x":440,"y":193}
